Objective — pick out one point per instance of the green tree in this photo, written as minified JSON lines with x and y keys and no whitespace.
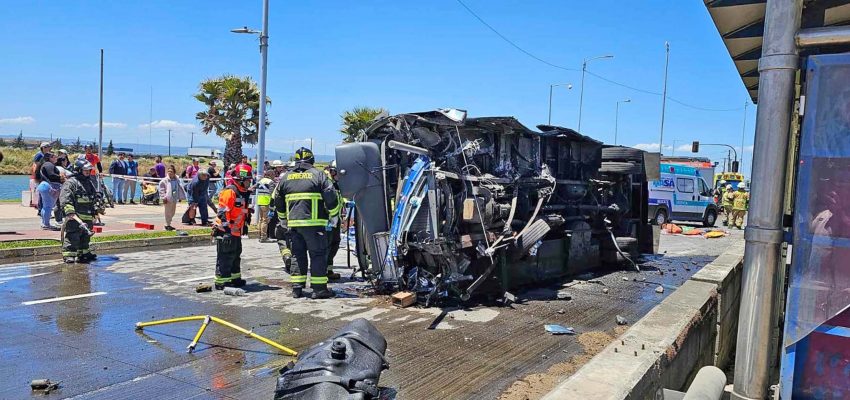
{"x":19,"y":142}
{"x":356,"y":120}
{"x":77,"y":146}
{"x":110,"y":149}
{"x":57,"y":144}
{"x":232,"y":112}
{"x":3,"y":142}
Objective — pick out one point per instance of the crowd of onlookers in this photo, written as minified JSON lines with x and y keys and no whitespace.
{"x":197,"y":184}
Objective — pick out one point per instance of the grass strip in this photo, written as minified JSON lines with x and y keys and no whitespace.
{"x":17,"y":244}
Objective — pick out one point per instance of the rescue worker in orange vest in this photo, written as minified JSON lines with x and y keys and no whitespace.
{"x":233,"y":212}
{"x":308,"y":207}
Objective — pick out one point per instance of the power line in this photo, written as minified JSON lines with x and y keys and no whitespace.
{"x":613,"y":82}
{"x":516,"y":46}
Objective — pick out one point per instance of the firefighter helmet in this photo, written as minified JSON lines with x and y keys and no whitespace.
{"x":304,"y":155}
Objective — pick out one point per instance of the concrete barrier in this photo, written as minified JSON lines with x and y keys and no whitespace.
{"x":693,"y":327}
{"x":48,"y":252}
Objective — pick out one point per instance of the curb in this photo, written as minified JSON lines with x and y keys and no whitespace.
{"x":694,"y":326}
{"x":51,"y":251}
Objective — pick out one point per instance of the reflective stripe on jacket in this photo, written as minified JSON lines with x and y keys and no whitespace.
{"x":306,"y":197}
{"x":264,"y":196}
{"x":77,"y":196}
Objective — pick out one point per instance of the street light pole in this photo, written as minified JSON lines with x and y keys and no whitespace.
{"x":664,"y":99}
{"x":568,"y":85}
{"x":617,"y":117}
{"x":100,"y":120}
{"x":581,"y":94}
{"x":264,"y":49}
{"x":169,"y":142}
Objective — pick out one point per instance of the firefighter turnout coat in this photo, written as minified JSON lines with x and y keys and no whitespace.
{"x":306,"y":197}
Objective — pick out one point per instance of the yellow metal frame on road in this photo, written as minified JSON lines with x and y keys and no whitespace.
{"x":207,"y":319}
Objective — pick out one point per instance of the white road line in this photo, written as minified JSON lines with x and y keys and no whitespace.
{"x":195,"y":279}
{"x":78,"y":296}
{"x":9,"y":278}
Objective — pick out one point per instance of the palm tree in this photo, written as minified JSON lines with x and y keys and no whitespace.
{"x":233,"y":112}
{"x":356,"y":120}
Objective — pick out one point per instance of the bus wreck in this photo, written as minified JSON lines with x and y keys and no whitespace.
{"x":449,"y":206}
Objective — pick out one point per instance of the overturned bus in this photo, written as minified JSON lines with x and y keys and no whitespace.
{"x":449,"y":206}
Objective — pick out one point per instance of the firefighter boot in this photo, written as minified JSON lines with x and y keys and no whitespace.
{"x":322,"y":292}
{"x":333,"y":276}
{"x":297,"y":291}
{"x":238,"y":282}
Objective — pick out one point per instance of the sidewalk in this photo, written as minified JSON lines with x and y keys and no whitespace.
{"x":20,"y":223}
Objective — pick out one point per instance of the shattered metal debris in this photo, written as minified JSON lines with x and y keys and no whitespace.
{"x":621,"y":320}
{"x":659,"y":289}
{"x":556,"y":329}
{"x":626,"y":278}
{"x":562,"y":311}
{"x":605,"y":290}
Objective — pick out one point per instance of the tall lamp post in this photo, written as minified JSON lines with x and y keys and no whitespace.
{"x":552,"y":86}
{"x":617,"y":116}
{"x":264,"y":50}
{"x":581,"y":95}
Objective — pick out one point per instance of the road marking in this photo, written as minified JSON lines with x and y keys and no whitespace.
{"x":9,"y":278}
{"x":78,"y":296}
{"x":195,"y":279}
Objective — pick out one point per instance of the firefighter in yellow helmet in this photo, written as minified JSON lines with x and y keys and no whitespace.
{"x":726,"y":203}
{"x":740,"y":205}
{"x":308,"y":206}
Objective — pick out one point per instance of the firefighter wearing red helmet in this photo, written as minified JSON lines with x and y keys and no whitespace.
{"x":307,"y":207}
{"x":232,"y":218}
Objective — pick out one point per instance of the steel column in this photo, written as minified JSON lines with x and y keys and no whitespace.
{"x":777,"y":67}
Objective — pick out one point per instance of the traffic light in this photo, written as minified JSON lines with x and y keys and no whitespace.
{"x":695,"y":146}
{"x":735,"y":166}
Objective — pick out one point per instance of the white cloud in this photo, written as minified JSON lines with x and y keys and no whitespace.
{"x":119,"y":125}
{"x":17,"y":121}
{"x":684,"y":148}
{"x":748,"y":149}
{"x":652,"y":146}
{"x":169,"y":124}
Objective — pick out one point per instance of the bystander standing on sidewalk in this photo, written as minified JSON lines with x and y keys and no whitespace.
{"x":160,"y":167}
{"x":34,"y":181}
{"x":130,"y":183}
{"x":48,"y":189}
{"x":192,"y":170}
{"x":92,"y":158}
{"x":198,"y":192}
{"x":118,"y":168}
{"x":171,"y":192}
{"x":214,"y":184}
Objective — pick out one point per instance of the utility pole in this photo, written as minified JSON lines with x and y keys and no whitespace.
{"x":743,"y":134}
{"x":617,"y":117}
{"x":552,"y":86}
{"x":192,"y":142}
{"x":150,"y":125}
{"x":664,"y":98}
{"x":581,"y":94}
{"x":100,"y":120}
{"x":169,"y":142}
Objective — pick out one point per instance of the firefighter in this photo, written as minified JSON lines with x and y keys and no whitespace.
{"x":718,"y":192}
{"x":264,"y":197}
{"x":727,"y":197}
{"x":334,"y":238}
{"x":77,"y":199}
{"x":232,"y":218}
{"x":307,"y":205}
{"x":740,"y":204}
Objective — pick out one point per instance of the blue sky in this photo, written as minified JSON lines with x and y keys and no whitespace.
{"x":326,"y":57}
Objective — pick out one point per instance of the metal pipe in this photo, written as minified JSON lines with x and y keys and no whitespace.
{"x":407,"y":147}
{"x":261,"y":130}
{"x":777,"y":67}
{"x":664,"y":98}
{"x":825,"y":36}
{"x":708,"y":384}
{"x":100,"y":119}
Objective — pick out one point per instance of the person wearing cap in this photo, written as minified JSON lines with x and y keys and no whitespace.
{"x":118,"y":168}
{"x":740,"y":205}
{"x":198,"y":192}
{"x":130,"y":182}
{"x":307,"y":206}
{"x":726,"y":202}
{"x":192,"y":170}
{"x":34,"y":171}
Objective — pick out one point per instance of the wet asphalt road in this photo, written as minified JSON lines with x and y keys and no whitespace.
{"x":89,"y":343}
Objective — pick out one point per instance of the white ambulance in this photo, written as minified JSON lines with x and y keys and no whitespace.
{"x":682,"y":195}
